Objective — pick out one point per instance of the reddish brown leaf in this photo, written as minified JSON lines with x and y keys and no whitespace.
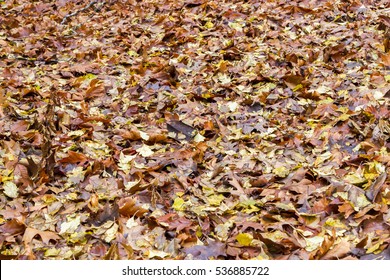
{"x":74,"y":157}
{"x":129,"y":207}
{"x":96,"y":89}
{"x":12,"y":227}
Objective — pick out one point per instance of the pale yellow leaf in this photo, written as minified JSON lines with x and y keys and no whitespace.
{"x":10,"y":189}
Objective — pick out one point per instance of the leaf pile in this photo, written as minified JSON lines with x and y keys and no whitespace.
{"x":194,"y":129}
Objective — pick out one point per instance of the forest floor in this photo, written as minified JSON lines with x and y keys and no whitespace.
{"x":193,"y":129}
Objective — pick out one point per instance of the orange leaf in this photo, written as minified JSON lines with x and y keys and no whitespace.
{"x":385,"y":59}
{"x":96,"y":89}
{"x":74,"y":157}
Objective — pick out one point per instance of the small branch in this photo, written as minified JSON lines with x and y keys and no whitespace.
{"x":78,"y":11}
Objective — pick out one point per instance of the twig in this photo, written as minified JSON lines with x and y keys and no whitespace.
{"x":33,"y":59}
{"x":78,"y":11}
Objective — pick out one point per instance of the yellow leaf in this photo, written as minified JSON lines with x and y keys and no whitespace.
{"x":110,"y":234}
{"x":313,"y":243}
{"x":155,"y":253}
{"x":322,"y":158}
{"x":374,"y":248}
{"x":362,"y":201}
{"x":199,"y":138}
{"x":224,"y":79}
{"x":89,"y":76}
{"x":145,"y":151}
{"x":71,"y":225}
{"x":132,"y":53}
{"x":76,"y":175}
{"x":355,"y":179}
{"x":244,"y":239}
{"x":281,"y":171}
{"x":298,"y":87}
{"x":235,"y":25}
{"x":125,"y":162}
{"x":52,"y":252}
{"x":209,"y":25}
{"x":215,"y":200}
{"x":335,"y":223}
{"x":10,"y":189}
{"x":178,"y":204}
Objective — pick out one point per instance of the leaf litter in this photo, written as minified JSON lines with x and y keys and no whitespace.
{"x":194,"y":130}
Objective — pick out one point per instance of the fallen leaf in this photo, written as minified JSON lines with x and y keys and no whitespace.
{"x":213,"y":250}
{"x":46,"y":236}
{"x":10,"y":189}
{"x":338,"y":251}
{"x":73,"y":222}
{"x":244,"y":239}
{"x":12,"y":227}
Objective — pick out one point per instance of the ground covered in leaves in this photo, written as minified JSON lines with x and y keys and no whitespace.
{"x":194,"y":129}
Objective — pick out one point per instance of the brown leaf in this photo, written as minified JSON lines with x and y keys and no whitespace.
{"x":113,"y":253}
{"x":129,"y":207}
{"x":326,"y":110}
{"x":180,"y":127}
{"x":213,"y":250}
{"x":108,"y":213}
{"x":74,"y":157}
{"x":293,"y":80}
{"x":33,"y":168}
{"x":46,"y":236}
{"x":374,"y":189}
{"x":385,"y":59}
{"x":174,"y":221}
{"x":98,"y":249}
{"x":96,"y":89}
{"x":12,"y":227}
{"x":347,"y":209}
{"x":338,"y":251}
